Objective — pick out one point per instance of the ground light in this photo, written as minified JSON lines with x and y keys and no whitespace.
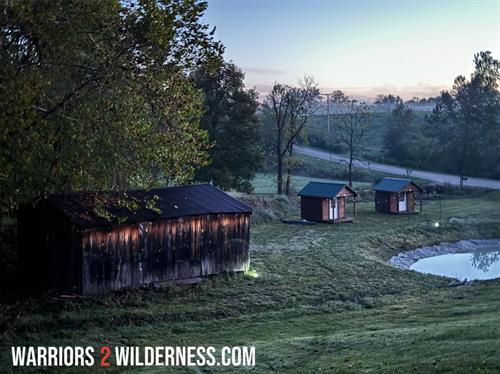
{"x":251,"y":273}
{"x":436,"y":224}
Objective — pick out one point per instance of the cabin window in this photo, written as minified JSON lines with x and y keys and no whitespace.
{"x":402,"y":196}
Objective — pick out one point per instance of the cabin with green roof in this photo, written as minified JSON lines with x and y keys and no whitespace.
{"x":397,"y":196}
{"x":326,"y":202}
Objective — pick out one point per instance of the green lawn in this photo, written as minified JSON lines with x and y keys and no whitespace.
{"x":325,"y":299}
{"x":266,"y":183}
{"x":323,"y":171}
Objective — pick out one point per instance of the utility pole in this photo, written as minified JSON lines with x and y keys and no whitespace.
{"x":328,"y":110}
{"x":328,"y":118}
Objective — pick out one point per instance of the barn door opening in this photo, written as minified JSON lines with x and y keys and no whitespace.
{"x":402,"y":202}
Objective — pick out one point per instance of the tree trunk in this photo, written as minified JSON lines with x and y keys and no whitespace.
{"x":350,"y":161}
{"x":280,"y":174}
{"x":289,"y":172}
{"x":350,"y":172}
{"x":279,"y":156}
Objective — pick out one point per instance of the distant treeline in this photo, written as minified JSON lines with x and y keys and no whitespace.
{"x":460,"y":135}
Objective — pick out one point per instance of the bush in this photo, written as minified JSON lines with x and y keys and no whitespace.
{"x":271,"y":208}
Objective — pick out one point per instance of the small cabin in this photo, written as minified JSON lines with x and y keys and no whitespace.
{"x":326,"y":202}
{"x":92,"y":243}
{"x":397,"y":196}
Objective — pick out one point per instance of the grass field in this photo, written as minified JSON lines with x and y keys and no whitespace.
{"x":322,"y":171}
{"x":319,"y":298}
{"x":266,"y":183}
{"x":319,"y":136}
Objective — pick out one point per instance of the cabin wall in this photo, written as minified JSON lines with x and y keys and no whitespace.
{"x":325,"y":210}
{"x":312,"y":208}
{"x":394,"y":202}
{"x":341,"y":202}
{"x":383,"y":201}
{"x":410,"y":198}
{"x":135,"y":254}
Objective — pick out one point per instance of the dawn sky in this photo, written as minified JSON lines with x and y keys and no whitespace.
{"x":364,"y":47}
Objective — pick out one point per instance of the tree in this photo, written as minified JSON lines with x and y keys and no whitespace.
{"x":97,"y":95}
{"x":230,"y":120}
{"x":465,"y":121}
{"x":389,"y":102}
{"x":398,"y":137}
{"x":291,"y":108}
{"x":353,"y":120}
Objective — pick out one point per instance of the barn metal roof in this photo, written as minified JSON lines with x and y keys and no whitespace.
{"x":107,"y":208}
{"x":324,"y":190}
{"x":393,"y":184}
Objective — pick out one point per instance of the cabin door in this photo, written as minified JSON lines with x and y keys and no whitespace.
{"x":333,"y":209}
{"x":402,"y":202}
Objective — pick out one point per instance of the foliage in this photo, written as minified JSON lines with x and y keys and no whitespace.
{"x":352,"y":123}
{"x":399,"y":138}
{"x":290,"y":108}
{"x":97,"y":95}
{"x":232,"y":125}
{"x":464,"y":128}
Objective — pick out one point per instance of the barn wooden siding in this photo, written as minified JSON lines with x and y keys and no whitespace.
{"x":195,"y":231}
{"x":148,"y":252}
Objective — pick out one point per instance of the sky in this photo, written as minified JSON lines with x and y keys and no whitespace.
{"x":363,"y":47}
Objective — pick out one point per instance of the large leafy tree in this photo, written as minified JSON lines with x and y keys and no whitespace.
{"x":230,"y":120}
{"x":465,"y":123}
{"x":97,"y":95}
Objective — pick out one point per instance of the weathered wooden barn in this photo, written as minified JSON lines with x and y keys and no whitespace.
{"x":397,"y":196}
{"x":91,"y":243}
{"x":326,"y":202}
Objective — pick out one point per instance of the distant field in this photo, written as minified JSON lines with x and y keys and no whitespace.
{"x":318,"y":298}
{"x":266,"y":183}
{"x":364,"y":179}
{"x":320,"y":137}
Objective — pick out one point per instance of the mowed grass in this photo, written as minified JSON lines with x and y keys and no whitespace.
{"x":264,"y":183}
{"x":325,"y":300}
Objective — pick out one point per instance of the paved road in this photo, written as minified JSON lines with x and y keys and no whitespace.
{"x":398,"y":170}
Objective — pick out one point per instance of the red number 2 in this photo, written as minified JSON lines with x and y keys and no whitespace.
{"x":106,"y":352}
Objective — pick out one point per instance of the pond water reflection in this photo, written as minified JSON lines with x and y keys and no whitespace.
{"x":476,"y":265}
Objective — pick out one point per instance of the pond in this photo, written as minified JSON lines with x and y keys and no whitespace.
{"x":477,"y":265}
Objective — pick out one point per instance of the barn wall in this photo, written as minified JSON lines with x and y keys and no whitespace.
{"x":49,"y":255}
{"x":136,"y":254}
{"x":311,"y":208}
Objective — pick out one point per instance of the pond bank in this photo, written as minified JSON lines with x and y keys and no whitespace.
{"x":405,"y":259}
